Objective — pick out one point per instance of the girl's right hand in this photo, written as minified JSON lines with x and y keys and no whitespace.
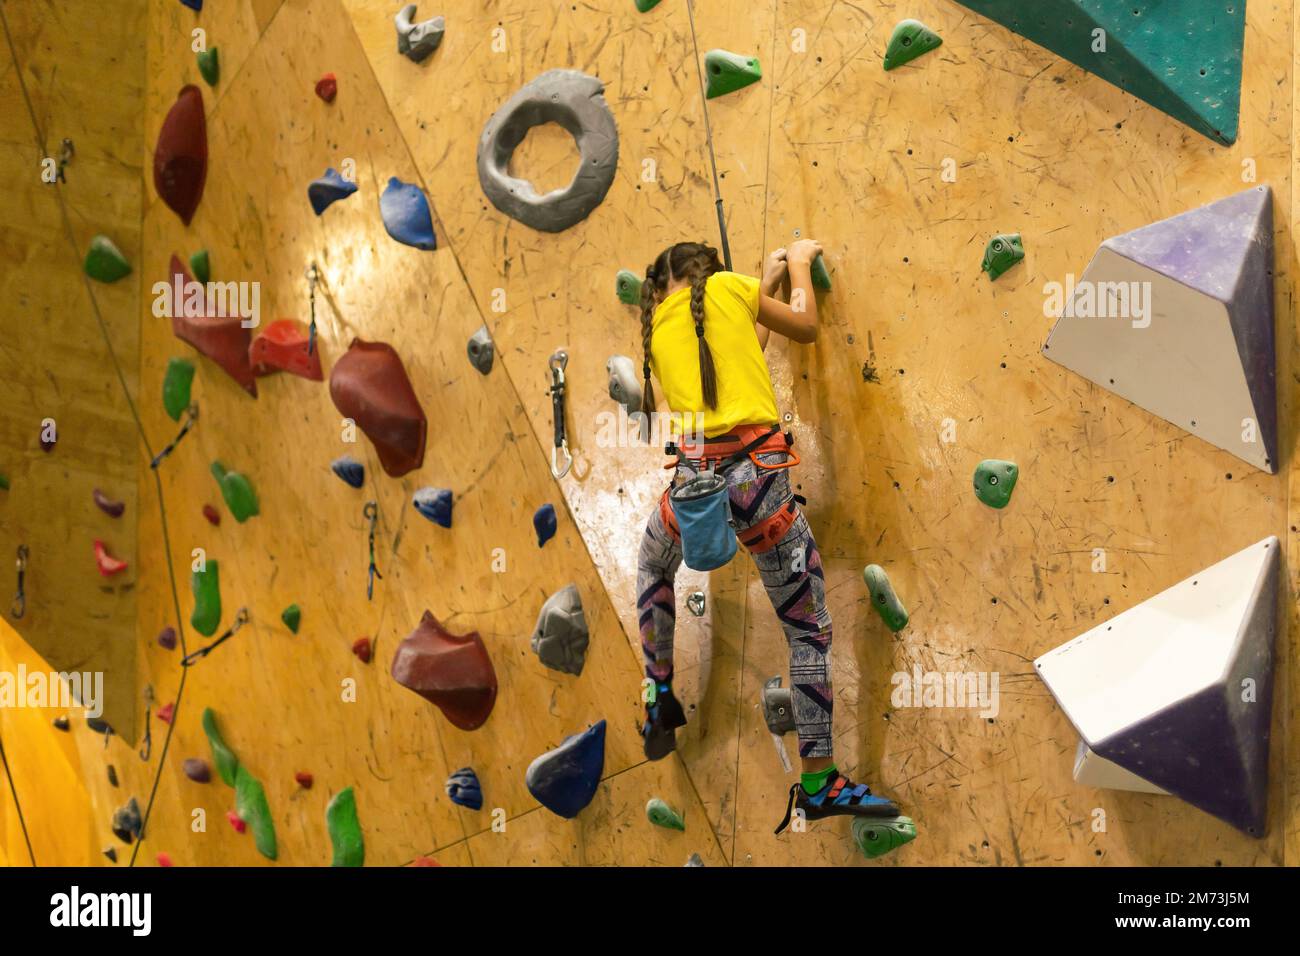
{"x":803,"y":252}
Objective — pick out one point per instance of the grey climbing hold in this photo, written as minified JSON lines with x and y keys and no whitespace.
{"x":560,"y":638}
{"x":127,"y":823}
{"x":417,"y":41}
{"x":481,"y":349}
{"x":695,"y":860}
{"x":624,"y":386}
{"x":696,"y":603}
{"x":778,"y":708}
{"x":576,"y":102}
{"x":628,"y":287}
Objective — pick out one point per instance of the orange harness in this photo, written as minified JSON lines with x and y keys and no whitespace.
{"x":759,"y":537}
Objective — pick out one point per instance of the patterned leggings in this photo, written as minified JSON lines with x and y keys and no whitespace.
{"x":796,"y":587}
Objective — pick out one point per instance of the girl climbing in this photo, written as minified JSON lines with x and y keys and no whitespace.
{"x":703,"y":333}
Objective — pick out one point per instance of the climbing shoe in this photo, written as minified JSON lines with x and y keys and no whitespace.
{"x":839,"y":797}
{"x":663,"y":716}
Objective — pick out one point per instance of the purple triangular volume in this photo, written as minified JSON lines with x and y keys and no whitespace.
{"x":1211,"y":748}
{"x":1225,"y":251}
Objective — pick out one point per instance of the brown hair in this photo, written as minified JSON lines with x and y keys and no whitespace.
{"x":692,"y":262}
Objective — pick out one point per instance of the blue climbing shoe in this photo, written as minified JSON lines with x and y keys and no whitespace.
{"x":663,"y":716}
{"x":840,"y":797}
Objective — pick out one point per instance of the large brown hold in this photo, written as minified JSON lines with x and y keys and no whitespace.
{"x":450,"y":670}
{"x":180,"y":160}
{"x":369,"y":386}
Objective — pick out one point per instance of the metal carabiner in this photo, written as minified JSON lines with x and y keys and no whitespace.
{"x":558,"y":362}
{"x":19,"y":607}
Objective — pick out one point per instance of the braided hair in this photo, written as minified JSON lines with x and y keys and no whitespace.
{"x":693,"y":262}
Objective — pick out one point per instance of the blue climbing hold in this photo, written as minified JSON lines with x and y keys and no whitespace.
{"x":406,"y":215}
{"x":195,"y":5}
{"x":565,"y":779}
{"x":350,"y":470}
{"x":328,"y":190}
{"x":434,"y":504}
{"x":463,"y":789}
{"x":544,"y":523}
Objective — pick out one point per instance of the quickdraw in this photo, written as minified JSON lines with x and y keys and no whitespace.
{"x":558,"y":363}
{"x":147,"y":747}
{"x":19,"y":607}
{"x":313,"y":276}
{"x":241,"y":618}
{"x":191,"y":417}
{"x":371,"y":513}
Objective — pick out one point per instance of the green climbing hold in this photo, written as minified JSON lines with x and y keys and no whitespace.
{"x":209,"y":66}
{"x":292,"y":616}
{"x":994,"y":481}
{"x":883,"y":598}
{"x":4,"y":482}
{"x":646,"y":5}
{"x":728,"y":72}
{"x":1002,"y":252}
{"x":237,"y":490}
{"x":662,"y":815}
{"x":821,"y":276}
{"x":911,"y":38}
{"x":251,"y":805}
{"x":876,"y":837}
{"x":105,"y":262}
{"x":176,"y":387}
{"x":345,"y":830}
{"x":225,"y":759}
{"x":206,"y":585}
{"x":628,"y":286}
{"x":201,"y":266}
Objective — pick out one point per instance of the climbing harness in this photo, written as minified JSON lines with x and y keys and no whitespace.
{"x":371,"y":513}
{"x":147,"y":747}
{"x":697,"y":512}
{"x":558,"y":362}
{"x":241,"y":618}
{"x":191,"y":417}
{"x":313,"y":276}
{"x":19,"y":607}
{"x":708,"y":135}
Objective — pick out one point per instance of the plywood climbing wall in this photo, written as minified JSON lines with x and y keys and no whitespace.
{"x":923,"y":368}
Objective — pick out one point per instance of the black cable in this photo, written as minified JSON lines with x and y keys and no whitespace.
{"x":18,"y":806}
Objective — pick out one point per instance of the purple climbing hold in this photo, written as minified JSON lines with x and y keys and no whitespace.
{"x":406,"y":215}
{"x":196,"y":768}
{"x":195,"y":5}
{"x":108,"y":505}
{"x":464,"y":790}
{"x":329,"y":189}
{"x":167,"y":638}
{"x":544,"y":523}
{"x":434,"y":504}
{"x":350,"y":470}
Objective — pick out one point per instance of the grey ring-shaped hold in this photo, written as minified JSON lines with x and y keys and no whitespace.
{"x":576,"y":102}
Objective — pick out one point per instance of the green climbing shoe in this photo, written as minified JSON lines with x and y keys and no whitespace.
{"x":883,"y":598}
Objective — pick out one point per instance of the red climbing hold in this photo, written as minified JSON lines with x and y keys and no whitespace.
{"x":108,"y":565}
{"x":450,"y":670}
{"x":282,"y":346}
{"x":236,"y":821}
{"x":180,"y":160}
{"x":304,"y":779}
{"x":361,"y":648}
{"x":212,"y":514}
{"x":222,"y":338}
{"x":164,"y":859}
{"x":327,"y":87}
{"x":166,"y":712}
{"x":425,"y":861}
{"x":369,"y":386}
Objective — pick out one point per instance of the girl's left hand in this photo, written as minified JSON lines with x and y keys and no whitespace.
{"x":775,"y":270}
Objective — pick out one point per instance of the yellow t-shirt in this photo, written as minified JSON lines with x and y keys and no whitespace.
{"x":745,"y":395}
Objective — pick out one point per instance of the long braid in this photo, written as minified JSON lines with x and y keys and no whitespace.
{"x":651,"y":294}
